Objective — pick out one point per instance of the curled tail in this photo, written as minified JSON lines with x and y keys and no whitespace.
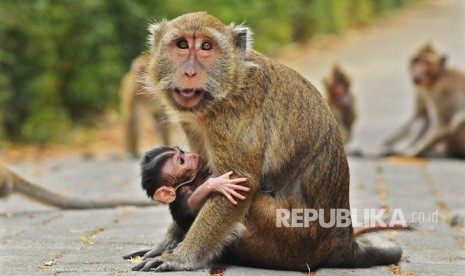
{"x":368,"y":254}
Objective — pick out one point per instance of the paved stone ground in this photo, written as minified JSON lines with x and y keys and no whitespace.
{"x":36,"y":240}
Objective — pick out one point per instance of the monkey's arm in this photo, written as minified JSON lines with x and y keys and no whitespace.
{"x":170,"y":240}
{"x":128,"y":92}
{"x":405,"y":130}
{"x":432,"y":137}
{"x":222,"y":185}
{"x":435,"y":132}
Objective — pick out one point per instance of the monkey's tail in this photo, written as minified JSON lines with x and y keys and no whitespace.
{"x":378,"y":228}
{"x":43,"y":195}
{"x":367,"y":255}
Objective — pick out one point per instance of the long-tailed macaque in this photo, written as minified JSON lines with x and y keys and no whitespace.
{"x":246,"y":113}
{"x":133,"y":99}
{"x":170,"y":175}
{"x":341,"y":101}
{"x":11,"y":182}
{"x":440,"y":108}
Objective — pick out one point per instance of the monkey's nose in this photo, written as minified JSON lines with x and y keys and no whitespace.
{"x":190,"y":73}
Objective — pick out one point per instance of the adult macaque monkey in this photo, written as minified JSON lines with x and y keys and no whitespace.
{"x":440,"y":106}
{"x":249,"y":114}
{"x":11,"y":182}
{"x":341,"y":101}
{"x":133,"y":99}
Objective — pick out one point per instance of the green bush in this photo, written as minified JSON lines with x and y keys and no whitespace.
{"x":61,"y":61}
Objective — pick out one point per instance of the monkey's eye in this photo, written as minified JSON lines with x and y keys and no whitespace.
{"x":182,"y":44}
{"x":206,"y":45}
{"x":181,"y":161}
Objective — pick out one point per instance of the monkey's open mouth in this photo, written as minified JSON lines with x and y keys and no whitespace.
{"x":189,"y":94}
{"x":188,"y":97}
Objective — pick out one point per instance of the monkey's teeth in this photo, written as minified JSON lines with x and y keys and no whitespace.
{"x":187,"y":93}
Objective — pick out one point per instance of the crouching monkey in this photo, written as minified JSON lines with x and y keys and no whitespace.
{"x":440,"y":108}
{"x":246,"y":113}
{"x":341,"y":101}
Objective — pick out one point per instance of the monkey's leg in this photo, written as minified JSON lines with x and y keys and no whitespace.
{"x":163,"y":127}
{"x":373,"y":251}
{"x":456,"y":141}
{"x":267,"y":243}
{"x":432,"y":137}
{"x":170,"y":240}
{"x":130,"y":114}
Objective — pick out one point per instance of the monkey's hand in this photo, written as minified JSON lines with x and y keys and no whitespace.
{"x":228,"y":187}
{"x":166,"y":262}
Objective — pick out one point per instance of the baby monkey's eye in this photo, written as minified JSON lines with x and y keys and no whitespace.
{"x":181,"y":161}
{"x":206,"y":45}
{"x":182,"y":44}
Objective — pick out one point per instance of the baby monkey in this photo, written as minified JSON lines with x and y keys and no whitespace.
{"x":171,"y":175}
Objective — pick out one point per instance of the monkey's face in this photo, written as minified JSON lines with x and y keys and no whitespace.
{"x":426,"y":66}
{"x":337,"y":86}
{"x":180,"y":169}
{"x":423,"y":70}
{"x":195,"y":60}
{"x":183,"y":166}
{"x":192,"y":55}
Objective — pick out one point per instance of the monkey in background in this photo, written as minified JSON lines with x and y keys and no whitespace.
{"x":133,"y":100}
{"x":11,"y":182}
{"x":341,"y":101}
{"x":440,"y":108}
{"x":244,"y":112}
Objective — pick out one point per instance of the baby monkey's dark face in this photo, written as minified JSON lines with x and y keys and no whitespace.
{"x":165,"y":169}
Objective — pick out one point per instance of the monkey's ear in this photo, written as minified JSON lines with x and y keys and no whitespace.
{"x":155,"y":32}
{"x":242,"y":38}
{"x":165,"y":194}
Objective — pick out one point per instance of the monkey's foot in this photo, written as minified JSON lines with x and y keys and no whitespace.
{"x":387,"y":151}
{"x":137,"y":253}
{"x":166,"y":262}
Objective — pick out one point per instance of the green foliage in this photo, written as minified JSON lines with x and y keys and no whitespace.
{"x":61,"y":61}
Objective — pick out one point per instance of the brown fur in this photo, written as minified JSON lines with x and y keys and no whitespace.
{"x":265,"y":122}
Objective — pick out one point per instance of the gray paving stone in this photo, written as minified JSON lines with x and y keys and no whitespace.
{"x":381,"y":271}
{"x":247,"y":271}
{"x":31,"y":234}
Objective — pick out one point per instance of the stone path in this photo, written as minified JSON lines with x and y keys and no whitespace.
{"x":38,"y":240}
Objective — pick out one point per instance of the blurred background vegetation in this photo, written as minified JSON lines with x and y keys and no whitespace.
{"x":61,"y":61}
